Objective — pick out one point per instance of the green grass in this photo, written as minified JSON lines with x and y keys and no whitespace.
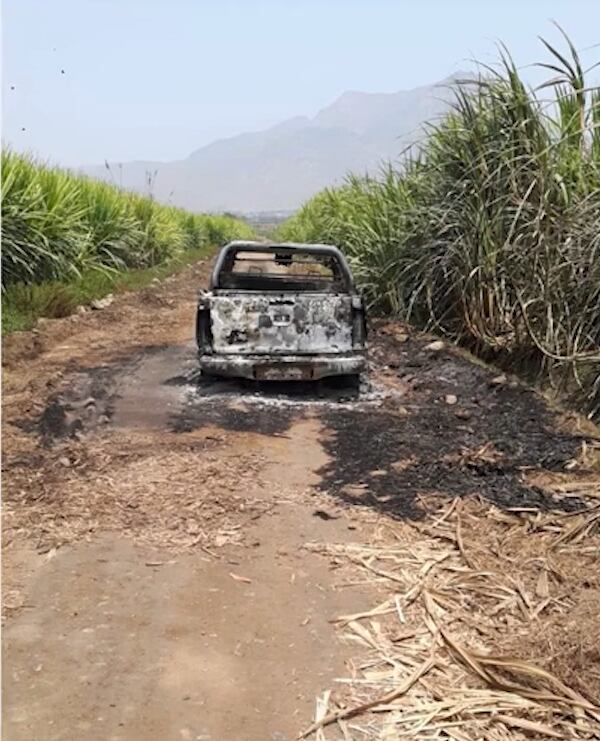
{"x":23,"y":304}
{"x":490,"y":235}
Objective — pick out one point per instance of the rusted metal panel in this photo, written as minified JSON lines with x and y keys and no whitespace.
{"x":301,"y":323}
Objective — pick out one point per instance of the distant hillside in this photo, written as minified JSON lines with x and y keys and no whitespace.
{"x":279,"y":168}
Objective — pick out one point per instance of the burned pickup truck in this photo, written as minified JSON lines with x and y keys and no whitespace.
{"x":281,"y":312}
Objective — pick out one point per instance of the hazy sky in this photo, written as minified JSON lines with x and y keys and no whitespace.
{"x":156,"y":79}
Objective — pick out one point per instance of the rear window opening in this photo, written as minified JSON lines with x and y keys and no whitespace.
{"x":277,"y":271}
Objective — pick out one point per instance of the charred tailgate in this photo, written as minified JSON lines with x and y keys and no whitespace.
{"x":306,"y":323}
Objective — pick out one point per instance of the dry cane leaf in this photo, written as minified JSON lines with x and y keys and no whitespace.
{"x":542,"y":589}
{"x":528,"y":725}
{"x":237,"y":577}
{"x":353,"y":711}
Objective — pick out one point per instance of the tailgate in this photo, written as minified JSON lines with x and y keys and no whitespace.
{"x":289,"y":323}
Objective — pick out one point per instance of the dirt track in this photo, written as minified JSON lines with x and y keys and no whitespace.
{"x":156,"y":579}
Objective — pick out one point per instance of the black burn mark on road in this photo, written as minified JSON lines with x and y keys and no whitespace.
{"x":85,"y":400}
{"x":82,"y":405}
{"x":385,"y":458}
{"x":242,"y":405}
{"x":264,"y":420}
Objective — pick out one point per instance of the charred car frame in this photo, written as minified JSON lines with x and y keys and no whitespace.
{"x":281,"y":312}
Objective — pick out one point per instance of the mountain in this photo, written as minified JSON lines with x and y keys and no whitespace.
{"x":279,"y":168}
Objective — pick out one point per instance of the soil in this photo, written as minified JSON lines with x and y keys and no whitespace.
{"x":157,"y":583}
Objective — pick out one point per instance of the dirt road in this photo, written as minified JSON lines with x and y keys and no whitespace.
{"x":168,"y":570}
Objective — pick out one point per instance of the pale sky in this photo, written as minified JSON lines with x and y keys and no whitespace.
{"x":90,"y":80}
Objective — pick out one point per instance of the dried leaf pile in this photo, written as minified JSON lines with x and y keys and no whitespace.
{"x":490,"y":629}
{"x":171,"y":493}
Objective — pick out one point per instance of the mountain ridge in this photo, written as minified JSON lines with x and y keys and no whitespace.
{"x":277,"y":168}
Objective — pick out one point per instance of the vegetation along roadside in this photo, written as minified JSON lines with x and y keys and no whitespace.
{"x":489,"y":234}
{"x":68,"y":240}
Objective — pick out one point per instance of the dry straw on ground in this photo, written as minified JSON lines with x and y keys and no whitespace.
{"x":172,"y":492}
{"x":475,"y":638}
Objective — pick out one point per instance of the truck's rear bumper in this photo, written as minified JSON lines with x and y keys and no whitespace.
{"x":284,"y":367}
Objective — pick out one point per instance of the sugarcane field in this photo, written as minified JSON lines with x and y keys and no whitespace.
{"x":300,"y":412}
